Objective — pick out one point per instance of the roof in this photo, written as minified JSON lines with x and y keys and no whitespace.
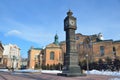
{"x":52,"y":45}
{"x":117,"y":41}
{"x":37,"y":48}
{"x":110,"y":40}
{"x":106,"y":40}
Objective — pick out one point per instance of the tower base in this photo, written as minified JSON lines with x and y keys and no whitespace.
{"x":72,"y":72}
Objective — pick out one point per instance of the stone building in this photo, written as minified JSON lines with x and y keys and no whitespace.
{"x":94,"y":47}
{"x":11,"y":56}
{"x":116,"y":48}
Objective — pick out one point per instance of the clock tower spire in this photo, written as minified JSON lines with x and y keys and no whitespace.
{"x":69,"y":13}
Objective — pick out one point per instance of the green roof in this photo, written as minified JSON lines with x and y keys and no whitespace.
{"x":37,"y":48}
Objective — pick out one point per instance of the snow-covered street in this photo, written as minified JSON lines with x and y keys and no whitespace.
{"x":115,"y":73}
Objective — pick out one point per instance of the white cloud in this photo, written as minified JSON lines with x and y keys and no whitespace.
{"x":13,"y":33}
{"x":30,"y":32}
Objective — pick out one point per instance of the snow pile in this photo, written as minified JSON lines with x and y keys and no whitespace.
{"x":114,"y":79}
{"x":42,"y":71}
{"x":4,"y":70}
{"x":51,"y":71}
{"x":104,"y":73}
{"x":27,"y":70}
{"x":32,"y":71}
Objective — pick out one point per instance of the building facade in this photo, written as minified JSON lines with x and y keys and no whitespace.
{"x":96,"y":48}
{"x":51,"y":54}
{"x":1,"y":55}
{"x":34,"y":57}
{"x":92,"y":47}
{"x":11,"y":56}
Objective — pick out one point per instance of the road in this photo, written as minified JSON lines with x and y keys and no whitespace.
{"x":39,"y":76}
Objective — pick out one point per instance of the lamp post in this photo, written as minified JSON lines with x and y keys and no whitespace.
{"x":17,"y":62}
{"x":87,"y":64}
{"x":40,"y":62}
{"x":87,"y":47}
{"x":35,"y":65}
{"x":13,"y":59}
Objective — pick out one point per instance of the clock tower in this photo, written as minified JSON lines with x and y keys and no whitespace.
{"x":70,"y":21}
{"x":70,"y":67}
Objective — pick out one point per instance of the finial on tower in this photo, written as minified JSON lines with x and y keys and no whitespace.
{"x":69,"y":13}
{"x":56,"y":39}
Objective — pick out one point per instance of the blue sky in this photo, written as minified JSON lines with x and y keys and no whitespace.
{"x":35,"y":22}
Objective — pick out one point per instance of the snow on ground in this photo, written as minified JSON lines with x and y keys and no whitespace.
{"x":114,"y":79}
{"x":27,"y":70}
{"x":51,"y":71}
{"x":103,"y":72}
{"x":4,"y":70}
{"x":32,"y":71}
{"x":43,"y":71}
{"x":57,"y":71}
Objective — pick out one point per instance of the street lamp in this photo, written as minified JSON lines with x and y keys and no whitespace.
{"x":87,"y":64}
{"x":40,"y":61}
{"x":17,"y":63}
{"x":13,"y":59}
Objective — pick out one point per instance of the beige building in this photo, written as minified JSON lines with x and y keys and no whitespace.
{"x":34,"y":57}
{"x":51,"y":54}
{"x":11,"y":56}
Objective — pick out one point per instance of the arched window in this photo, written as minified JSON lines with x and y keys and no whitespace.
{"x":52,"y":55}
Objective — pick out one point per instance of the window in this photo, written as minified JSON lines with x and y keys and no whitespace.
{"x":0,"y":60}
{"x":101,"y":50}
{"x":114,"y":50}
{"x":77,"y":37}
{"x":51,"y":55}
